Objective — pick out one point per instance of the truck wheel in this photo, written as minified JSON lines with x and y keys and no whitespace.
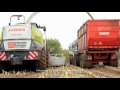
{"x":70,"y":58}
{"x":70,"y":61}
{"x":74,"y":61}
{"x":78,"y":61}
{"x":114,"y":63}
{"x":81,"y":60}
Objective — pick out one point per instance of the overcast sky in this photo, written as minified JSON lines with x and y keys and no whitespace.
{"x":60,"y":25}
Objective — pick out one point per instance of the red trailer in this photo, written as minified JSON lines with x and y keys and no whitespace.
{"x":98,"y":41}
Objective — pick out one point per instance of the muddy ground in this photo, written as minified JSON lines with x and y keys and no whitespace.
{"x":68,"y":71}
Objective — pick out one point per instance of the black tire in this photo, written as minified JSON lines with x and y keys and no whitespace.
{"x":77,"y":62}
{"x":43,"y":63}
{"x":70,"y":62}
{"x":74,"y":61}
{"x":1,"y":67}
{"x":80,"y":61}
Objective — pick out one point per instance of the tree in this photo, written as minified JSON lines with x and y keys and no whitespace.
{"x":54,"y":46}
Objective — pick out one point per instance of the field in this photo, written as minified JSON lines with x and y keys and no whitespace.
{"x":68,"y":71}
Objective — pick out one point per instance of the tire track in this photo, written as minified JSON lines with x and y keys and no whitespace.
{"x":106,"y":72}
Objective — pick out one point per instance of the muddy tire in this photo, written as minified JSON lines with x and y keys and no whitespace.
{"x":74,"y":61}
{"x":43,"y":63}
{"x":1,"y":67}
{"x":70,"y":62}
{"x":78,"y":60}
{"x":70,"y":58}
{"x":78,"y":63}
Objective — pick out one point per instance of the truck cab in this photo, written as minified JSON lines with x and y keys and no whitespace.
{"x":73,"y":52}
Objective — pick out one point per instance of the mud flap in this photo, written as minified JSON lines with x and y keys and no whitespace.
{"x":85,"y":63}
{"x":114,"y":62}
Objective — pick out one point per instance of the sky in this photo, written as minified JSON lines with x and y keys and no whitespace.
{"x":60,"y":25}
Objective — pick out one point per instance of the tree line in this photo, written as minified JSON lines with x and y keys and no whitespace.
{"x":54,"y":47}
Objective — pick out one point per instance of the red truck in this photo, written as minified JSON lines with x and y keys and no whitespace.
{"x":98,"y":42}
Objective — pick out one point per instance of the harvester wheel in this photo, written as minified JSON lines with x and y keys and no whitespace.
{"x":78,"y":60}
{"x":1,"y":67}
{"x":43,"y":63}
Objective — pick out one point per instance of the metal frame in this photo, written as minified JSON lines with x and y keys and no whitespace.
{"x":16,"y":16}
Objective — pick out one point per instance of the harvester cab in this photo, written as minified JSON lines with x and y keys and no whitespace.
{"x":20,"y":18}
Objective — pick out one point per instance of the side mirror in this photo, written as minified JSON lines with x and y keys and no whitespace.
{"x":44,"y":28}
{"x":18,"y":18}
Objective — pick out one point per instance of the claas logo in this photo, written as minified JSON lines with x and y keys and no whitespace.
{"x":16,"y":29}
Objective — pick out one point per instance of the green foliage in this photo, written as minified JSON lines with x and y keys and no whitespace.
{"x":66,"y":54}
{"x":54,"y":46}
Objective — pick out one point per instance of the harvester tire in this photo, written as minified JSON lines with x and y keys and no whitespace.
{"x":43,"y":63}
{"x":1,"y":67}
